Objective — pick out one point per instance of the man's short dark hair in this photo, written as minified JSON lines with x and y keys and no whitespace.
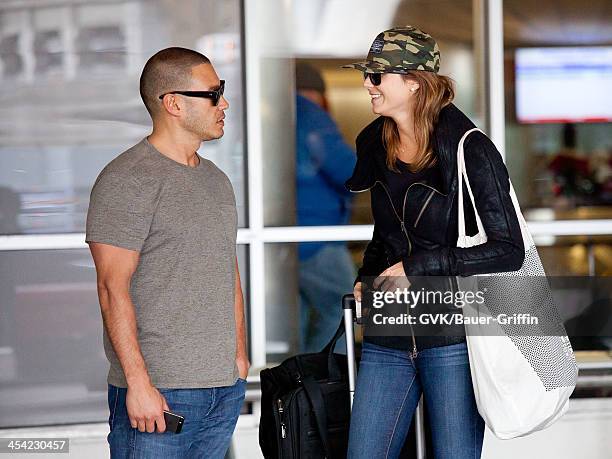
{"x":308,"y":77}
{"x":165,"y":71}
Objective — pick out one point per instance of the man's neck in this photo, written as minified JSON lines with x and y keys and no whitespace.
{"x":178,"y":149}
{"x":314,"y":96}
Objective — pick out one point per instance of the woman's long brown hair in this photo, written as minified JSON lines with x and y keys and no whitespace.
{"x":435,"y":92}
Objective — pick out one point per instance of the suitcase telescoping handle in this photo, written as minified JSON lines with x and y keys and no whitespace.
{"x":349,"y":306}
{"x":350,"y":315}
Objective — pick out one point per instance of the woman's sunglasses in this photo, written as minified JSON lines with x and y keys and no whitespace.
{"x":375,"y":78}
{"x":214,"y":95}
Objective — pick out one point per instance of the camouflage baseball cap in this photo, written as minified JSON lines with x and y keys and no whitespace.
{"x":401,"y":49}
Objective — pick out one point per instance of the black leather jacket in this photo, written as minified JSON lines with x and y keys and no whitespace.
{"x":423,"y":235}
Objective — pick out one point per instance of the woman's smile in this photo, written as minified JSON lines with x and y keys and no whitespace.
{"x":376,"y":99}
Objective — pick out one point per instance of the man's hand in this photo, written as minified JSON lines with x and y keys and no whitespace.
{"x":243,"y":366}
{"x":145,"y":407}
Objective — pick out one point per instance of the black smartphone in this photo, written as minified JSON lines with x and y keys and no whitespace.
{"x":174,"y":422}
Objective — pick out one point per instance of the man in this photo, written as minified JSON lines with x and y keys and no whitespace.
{"x":162,"y":231}
{"x":324,"y":162}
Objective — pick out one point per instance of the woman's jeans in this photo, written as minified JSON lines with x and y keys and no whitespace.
{"x":388,"y":389}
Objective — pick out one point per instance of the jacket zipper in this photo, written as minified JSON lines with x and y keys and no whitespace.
{"x":414,"y":351}
{"x":401,"y":219}
{"x":416,"y":222}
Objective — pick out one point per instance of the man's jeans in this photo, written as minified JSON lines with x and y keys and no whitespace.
{"x":210,"y":418}
{"x":324,"y":278}
{"x":389,"y":385}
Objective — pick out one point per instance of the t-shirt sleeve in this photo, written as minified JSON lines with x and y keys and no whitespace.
{"x":119,"y":213}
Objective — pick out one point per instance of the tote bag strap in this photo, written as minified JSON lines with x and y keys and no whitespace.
{"x":461,"y":173}
{"x":527,"y":238}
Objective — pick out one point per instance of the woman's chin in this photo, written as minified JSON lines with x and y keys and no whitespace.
{"x":376,"y":109}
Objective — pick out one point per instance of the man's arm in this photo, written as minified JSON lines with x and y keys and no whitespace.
{"x":242,"y":356}
{"x":332,"y":155}
{"x":115,"y":267}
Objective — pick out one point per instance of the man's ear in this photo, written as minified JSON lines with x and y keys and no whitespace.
{"x":170,"y":103}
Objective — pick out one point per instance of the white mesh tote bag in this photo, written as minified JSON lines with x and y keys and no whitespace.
{"x":522,"y":383}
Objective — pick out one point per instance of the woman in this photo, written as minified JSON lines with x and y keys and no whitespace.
{"x":407,"y":159}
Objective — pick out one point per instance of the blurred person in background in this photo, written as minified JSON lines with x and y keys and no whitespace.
{"x":407,"y":158}
{"x":162,"y":228}
{"x":324,"y":162}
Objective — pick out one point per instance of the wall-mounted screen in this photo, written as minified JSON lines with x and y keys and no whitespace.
{"x":564,"y":85}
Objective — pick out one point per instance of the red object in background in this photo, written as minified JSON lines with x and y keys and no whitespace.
{"x":565,"y":163}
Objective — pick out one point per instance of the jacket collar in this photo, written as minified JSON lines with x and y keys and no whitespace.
{"x":371,"y":155}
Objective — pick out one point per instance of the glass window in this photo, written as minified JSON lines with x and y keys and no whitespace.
{"x":305,"y":283}
{"x":558,"y":120}
{"x":312,"y":188}
{"x":559,"y":138}
{"x":101,"y":49}
{"x":588,"y":322}
{"x":52,"y":362}
{"x":12,"y":62}
{"x":70,"y":105}
{"x":576,"y":255}
{"x":304,"y":288}
{"x":57,"y":134}
{"x":48,"y":52}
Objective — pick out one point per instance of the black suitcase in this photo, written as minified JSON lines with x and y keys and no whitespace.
{"x":305,"y":406}
{"x":312,"y":393}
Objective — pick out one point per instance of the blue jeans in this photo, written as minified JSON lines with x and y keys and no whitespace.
{"x":388,"y":389}
{"x":324,"y":278}
{"x":210,"y":418}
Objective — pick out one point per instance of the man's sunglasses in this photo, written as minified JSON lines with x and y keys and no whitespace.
{"x":214,"y":95}
{"x":375,"y":78}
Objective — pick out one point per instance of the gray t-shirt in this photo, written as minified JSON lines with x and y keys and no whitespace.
{"x":183,"y":222}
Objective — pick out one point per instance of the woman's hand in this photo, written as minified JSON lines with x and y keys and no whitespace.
{"x":397,"y":270}
{"x":391,"y":278}
{"x":357,"y":291}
